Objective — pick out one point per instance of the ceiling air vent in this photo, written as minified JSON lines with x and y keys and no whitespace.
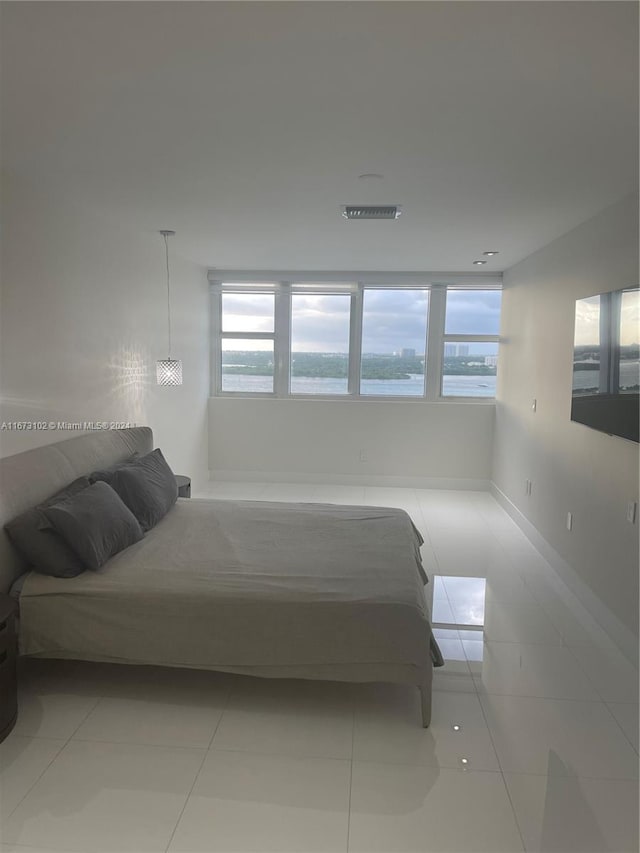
{"x":376,"y":211}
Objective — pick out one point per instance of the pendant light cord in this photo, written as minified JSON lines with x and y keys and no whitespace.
{"x":166,"y":246}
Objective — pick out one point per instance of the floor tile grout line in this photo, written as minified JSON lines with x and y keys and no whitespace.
{"x":58,"y":753}
{"x":546,"y":775}
{"x":633,"y":747}
{"x":140,"y":743}
{"x":504,"y":781}
{"x":547,"y":612}
{"x":16,"y":735}
{"x":548,"y":698}
{"x":431,"y":581}
{"x":294,"y":756}
{"x":586,"y":673}
{"x":453,"y":768}
{"x":199,"y":771}
{"x":626,"y":779}
{"x":513,"y":810}
{"x":353,"y":731}
{"x":546,"y":569}
{"x":31,"y":787}
{"x":427,"y":538}
{"x":536,"y":696}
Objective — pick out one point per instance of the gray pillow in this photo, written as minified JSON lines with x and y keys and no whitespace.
{"x":106,"y":474}
{"x":148,"y":487}
{"x":42,"y":546}
{"x":95,"y":524}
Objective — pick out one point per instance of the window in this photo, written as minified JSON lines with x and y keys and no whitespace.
{"x":247,"y":323}
{"x":355,"y":340}
{"x":320,"y":343}
{"x":470,"y":343}
{"x":629,"y":356}
{"x":247,"y":365}
{"x":394,"y":340}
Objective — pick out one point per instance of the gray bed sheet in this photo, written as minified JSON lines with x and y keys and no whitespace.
{"x":305,"y":590}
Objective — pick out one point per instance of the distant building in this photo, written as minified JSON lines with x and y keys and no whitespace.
{"x":491,"y":360}
{"x":407,"y":353}
{"x":456,"y":349}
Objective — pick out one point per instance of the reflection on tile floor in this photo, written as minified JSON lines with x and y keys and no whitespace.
{"x":533,"y":742}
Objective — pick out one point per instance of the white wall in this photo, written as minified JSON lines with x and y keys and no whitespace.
{"x":447,"y":444}
{"x":573,"y":468}
{"x":83,"y":319}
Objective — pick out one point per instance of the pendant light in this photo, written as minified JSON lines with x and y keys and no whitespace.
{"x":168,"y":370}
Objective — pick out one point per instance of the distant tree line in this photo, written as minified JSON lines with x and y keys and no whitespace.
{"x":336,"y":365}
{"x":587,"y":356}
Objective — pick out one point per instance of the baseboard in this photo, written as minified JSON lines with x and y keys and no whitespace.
{"x":350,"y":480}
{"x":623,"y":638}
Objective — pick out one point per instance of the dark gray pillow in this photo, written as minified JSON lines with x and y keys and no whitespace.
{"x":95,"y":524}
{"x":106,"y":474}
{"x":42,"y":546}
{"x":148,"y":487}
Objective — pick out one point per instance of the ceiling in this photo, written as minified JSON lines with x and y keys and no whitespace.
{"x":245,"y":126}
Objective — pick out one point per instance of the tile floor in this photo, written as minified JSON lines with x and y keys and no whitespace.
{"x":533,"y":744}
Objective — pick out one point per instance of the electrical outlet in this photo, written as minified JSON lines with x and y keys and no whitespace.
{"x":632,"y":509}
{"x":569,"y":520}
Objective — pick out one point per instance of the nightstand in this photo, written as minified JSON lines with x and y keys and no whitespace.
{"x":8,"y":655}
{"x":184,"y":486}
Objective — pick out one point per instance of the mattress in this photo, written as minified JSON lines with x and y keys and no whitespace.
{"x":313,"y":590}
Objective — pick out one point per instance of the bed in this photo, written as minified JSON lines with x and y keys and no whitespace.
{"x":315,"y":591}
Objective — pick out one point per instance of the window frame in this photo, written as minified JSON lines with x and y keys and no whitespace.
{"x":282,"y":286}
{"x":347,"y":288}
{"x":218,"y":336}
{"x":463,"y":339}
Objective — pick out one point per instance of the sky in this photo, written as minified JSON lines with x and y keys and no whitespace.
{"x":393,"y":319}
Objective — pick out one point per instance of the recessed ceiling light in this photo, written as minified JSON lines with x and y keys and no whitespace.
{"x":479,"y":263}
{"x":456,"y":727}
{"x":464,"y":761}
{"x":491,"y":254}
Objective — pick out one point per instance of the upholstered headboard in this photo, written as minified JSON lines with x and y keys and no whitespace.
{"x":28,"y":478}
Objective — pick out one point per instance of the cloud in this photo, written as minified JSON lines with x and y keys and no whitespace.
{"x":473,"y":312}
{"x":320,"y":323}
{"x":247,"y":312}
{"x":393,"y":319}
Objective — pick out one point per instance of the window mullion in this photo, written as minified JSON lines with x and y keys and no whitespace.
{"x":355,"y":342}
{"x":463,"y":339}
{"x":282,"y":340}
{"x":247,"y":336}
{"x":435,"y":341}
{"x":216,"y":341}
